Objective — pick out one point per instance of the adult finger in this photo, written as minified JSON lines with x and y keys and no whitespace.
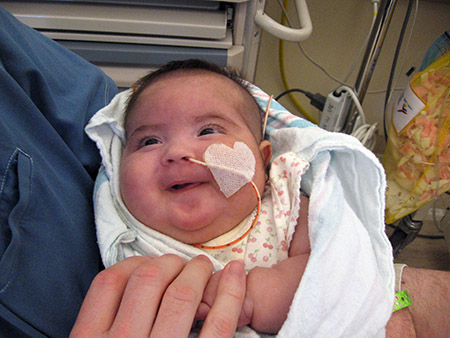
{"x":142,"y":296}
{"x":223,"y":317}
{"x":102,"y":301}
{"x":182,"y":298}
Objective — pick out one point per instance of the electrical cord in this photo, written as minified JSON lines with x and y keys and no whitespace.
{"x":367,"y":135}
{"x":315,"y":63}
{"x":364,"y":132}
{"x":290,"y":91}
{"x":366,"y":41}
{"x":355,"y":99}
{"x":409,"y":72}
{"x":394,"y":64}
{"x":375,"y":12}
{"x":317,"y":100}
{"x":300,"y":108}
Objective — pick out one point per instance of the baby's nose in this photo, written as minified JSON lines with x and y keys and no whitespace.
{"x":178,"y":153}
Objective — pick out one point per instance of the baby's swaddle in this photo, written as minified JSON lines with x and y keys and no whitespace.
{"x":347,"y":289}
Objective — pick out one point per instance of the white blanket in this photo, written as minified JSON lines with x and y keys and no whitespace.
{"x":347,"y":289}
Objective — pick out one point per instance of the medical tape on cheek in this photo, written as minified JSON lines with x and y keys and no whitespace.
{"x":232,"y":168}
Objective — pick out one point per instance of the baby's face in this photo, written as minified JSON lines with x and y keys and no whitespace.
{"x":177,"y":118}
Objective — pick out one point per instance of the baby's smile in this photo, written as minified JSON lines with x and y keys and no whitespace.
{"x":181,"y":187}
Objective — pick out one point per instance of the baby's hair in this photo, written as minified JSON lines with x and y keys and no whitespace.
{"x":187,"y":65}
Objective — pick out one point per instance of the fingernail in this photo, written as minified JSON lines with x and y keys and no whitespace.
{"x":203,"y":257}
{"x":237,"y":267}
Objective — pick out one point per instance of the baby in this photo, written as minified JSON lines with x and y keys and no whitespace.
{"x":192,"y":130}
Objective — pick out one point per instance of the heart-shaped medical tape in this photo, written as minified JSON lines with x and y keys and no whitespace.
{"x":232,"y":168}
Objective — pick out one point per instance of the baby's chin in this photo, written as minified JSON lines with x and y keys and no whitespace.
{"x":207,"y":219}
{"x":193,"y":233}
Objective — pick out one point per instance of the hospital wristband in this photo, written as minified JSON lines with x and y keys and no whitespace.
{"x":398,"y":268}
{"x":402,"y":300}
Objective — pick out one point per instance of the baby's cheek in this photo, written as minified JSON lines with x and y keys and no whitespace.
{"x":124,"y":185}
{"x":130,"y":186}
{"x":131,"y":174}
{"x":261,"y":177}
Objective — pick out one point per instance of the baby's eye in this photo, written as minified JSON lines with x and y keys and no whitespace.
{"x":209,"y":130}
{"x":150,"y":141}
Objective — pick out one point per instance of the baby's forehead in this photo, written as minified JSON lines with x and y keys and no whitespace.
{"x":242,"y":95}
{"x":237,"y":96}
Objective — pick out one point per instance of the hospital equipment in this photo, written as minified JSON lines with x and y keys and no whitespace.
{"x":129,"y":38}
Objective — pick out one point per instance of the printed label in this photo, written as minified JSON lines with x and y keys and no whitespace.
{"x":407,"y":107}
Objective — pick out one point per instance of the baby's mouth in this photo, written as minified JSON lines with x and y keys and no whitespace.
{"x":184,"y":186}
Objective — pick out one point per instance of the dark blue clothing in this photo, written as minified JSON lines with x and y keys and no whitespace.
{"x":48,"y":251}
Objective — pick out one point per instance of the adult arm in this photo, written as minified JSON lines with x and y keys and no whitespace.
{"x":428,"y":316}
{"x":48,"y":249}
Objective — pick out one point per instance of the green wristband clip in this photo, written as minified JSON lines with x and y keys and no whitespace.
{"x":402,"y":300}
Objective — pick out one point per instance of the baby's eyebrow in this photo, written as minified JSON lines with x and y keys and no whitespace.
{"x":147,"y":127}
{"x":214,"y":116}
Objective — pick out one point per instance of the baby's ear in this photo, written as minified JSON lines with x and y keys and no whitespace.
{"x":265,"y":148}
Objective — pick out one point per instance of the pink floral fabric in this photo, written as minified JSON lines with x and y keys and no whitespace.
{"x":268,"y":242}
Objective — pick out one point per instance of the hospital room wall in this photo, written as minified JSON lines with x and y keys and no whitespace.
{"x":339,"y":30}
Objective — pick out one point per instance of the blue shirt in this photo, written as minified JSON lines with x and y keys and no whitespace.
{"x":48,"y":251}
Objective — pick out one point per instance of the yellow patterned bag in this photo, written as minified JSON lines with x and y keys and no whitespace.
{"x":417,"y":156}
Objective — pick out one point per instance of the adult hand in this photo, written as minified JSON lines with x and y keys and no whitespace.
{"x":158,"y":297}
